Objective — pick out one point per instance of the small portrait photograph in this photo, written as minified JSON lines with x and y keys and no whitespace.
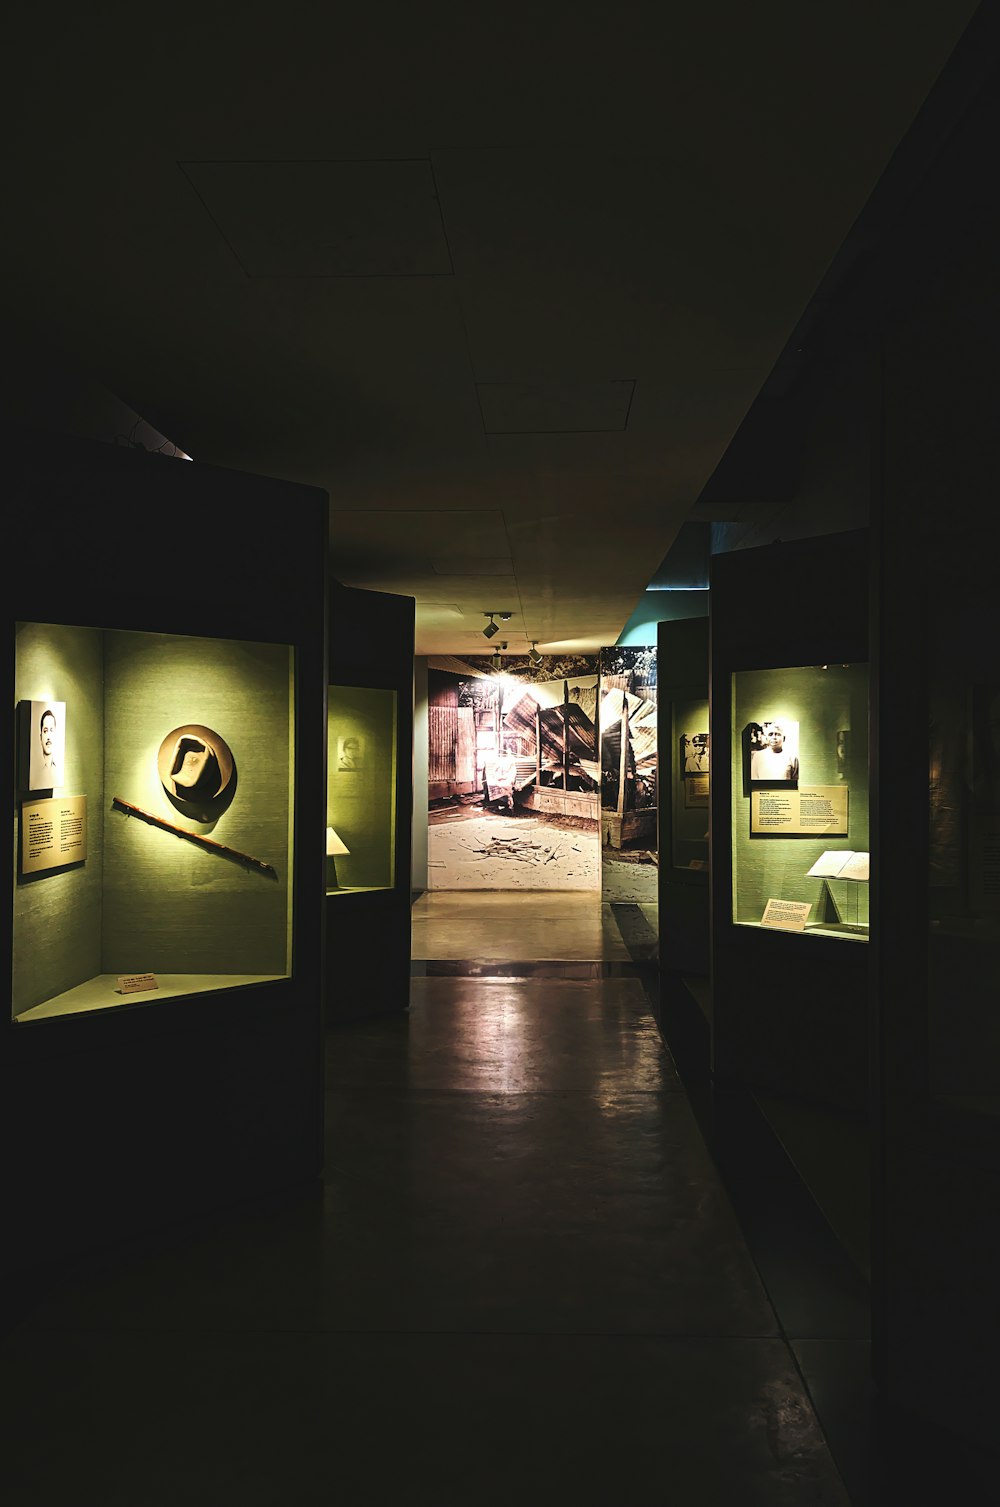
{"x":46,"y":745}
{"x":694,"y":753}
{"x":350,"y":752}
{"x":773,"y":747}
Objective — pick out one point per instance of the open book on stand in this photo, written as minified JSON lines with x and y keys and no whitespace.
{"x":838,"y":864}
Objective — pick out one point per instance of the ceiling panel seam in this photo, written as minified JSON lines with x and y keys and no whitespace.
{"x":201,"y":200}
{"x":288,"y":276}
{"x":459,"y":305}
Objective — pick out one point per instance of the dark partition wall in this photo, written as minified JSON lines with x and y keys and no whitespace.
{"x":369,"y":803}
{"x":789,"y":937}
{"x":888,"y":389}
{"x":684,"y":764}
{"x":684,"y":1010}
{"x":938,"y":821}
{"x":162,"y":1051}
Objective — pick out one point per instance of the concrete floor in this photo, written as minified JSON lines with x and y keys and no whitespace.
{"x":521,"y":1282}
{"x":501,"y":926}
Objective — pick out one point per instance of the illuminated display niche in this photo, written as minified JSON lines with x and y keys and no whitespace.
{"x":193,"y":887}
{"x":689,"y":784}
{"x":361,"y":789}
{"x":799,"y":761}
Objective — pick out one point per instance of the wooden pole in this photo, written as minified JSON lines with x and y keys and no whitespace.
{"x":538,"y":752}
{"x":565,"y":734}
{"x":208,"y":843}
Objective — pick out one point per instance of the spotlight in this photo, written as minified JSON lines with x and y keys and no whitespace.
{"x":491,"y":626}
{"x":496,"y":659}
{"x":534,"y":658}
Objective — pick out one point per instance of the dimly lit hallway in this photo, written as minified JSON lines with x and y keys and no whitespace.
{"x":523,"y":1282}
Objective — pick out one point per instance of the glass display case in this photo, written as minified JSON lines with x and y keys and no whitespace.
{"x":154,"y":805}
{"x":799,"y":761}
{"x":361,"y":789}
{"x":690,"y":754}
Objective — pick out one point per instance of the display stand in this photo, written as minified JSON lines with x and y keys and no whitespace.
{"x":789,"y":735}
{"x":162,"y":1049}
{"x":369,"y":802}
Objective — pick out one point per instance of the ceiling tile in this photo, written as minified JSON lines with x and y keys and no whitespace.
{"x":326,"y":219}
{"x":472,"y":565}
{"x":555,"y":407}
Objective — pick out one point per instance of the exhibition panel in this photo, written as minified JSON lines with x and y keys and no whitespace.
{"x":155,"y":787}
{"x":628,"y":741}
{"x":514,"y":773}
{"x":799,"y":768}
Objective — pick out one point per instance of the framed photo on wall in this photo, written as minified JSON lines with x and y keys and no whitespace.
{"x":772,"y":751}
{"x":694,"y":753}
{"x":350,"y":752}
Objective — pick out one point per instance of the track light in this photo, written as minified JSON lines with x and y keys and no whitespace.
{"x":491,"y":626}
{"x":496,"y":660}
{"x":534,"y":658}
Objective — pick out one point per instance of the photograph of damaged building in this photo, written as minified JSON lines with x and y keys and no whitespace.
{"x":514,"y":778}
{"x":628,"y":774}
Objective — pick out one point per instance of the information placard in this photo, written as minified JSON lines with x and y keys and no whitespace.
{"x":810,"y":811}
{"x":786,"y":915}
{"x":53,"y":833}
{"x":137,"y":983}
{"x":696,"y":790}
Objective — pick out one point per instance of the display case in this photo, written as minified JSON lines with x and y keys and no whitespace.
{"x":789,"y":723}
{"x":361,"y":789}
{"x":690,"y":757}
{"x":162,"y":1054}
{"x":799,"y":771}
{"x":369,"y":802}
{"x":155,"y":793}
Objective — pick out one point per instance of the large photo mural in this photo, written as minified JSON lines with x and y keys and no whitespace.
{"x":627,"y":721}
{"x":514,"y":777}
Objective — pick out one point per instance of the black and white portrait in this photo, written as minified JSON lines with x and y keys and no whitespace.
{"x":694,"y":753}
{"x":350,"y":752}
{"x":47,"y":745}
{"x":774,"y":751}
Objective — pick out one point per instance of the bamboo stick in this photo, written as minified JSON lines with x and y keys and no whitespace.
{"x":245,"y":859}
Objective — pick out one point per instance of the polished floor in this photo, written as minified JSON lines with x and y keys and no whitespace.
{"x":501,"y":926}
{"x":521,"y":1282}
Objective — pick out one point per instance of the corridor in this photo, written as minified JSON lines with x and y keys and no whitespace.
{"x":522,"y":1282}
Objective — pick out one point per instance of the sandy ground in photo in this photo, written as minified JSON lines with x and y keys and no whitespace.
{"x":626,"y":879}
{"x":523,"y":852}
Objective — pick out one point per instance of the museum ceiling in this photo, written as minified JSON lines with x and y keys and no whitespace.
{"x":504,"y":286}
